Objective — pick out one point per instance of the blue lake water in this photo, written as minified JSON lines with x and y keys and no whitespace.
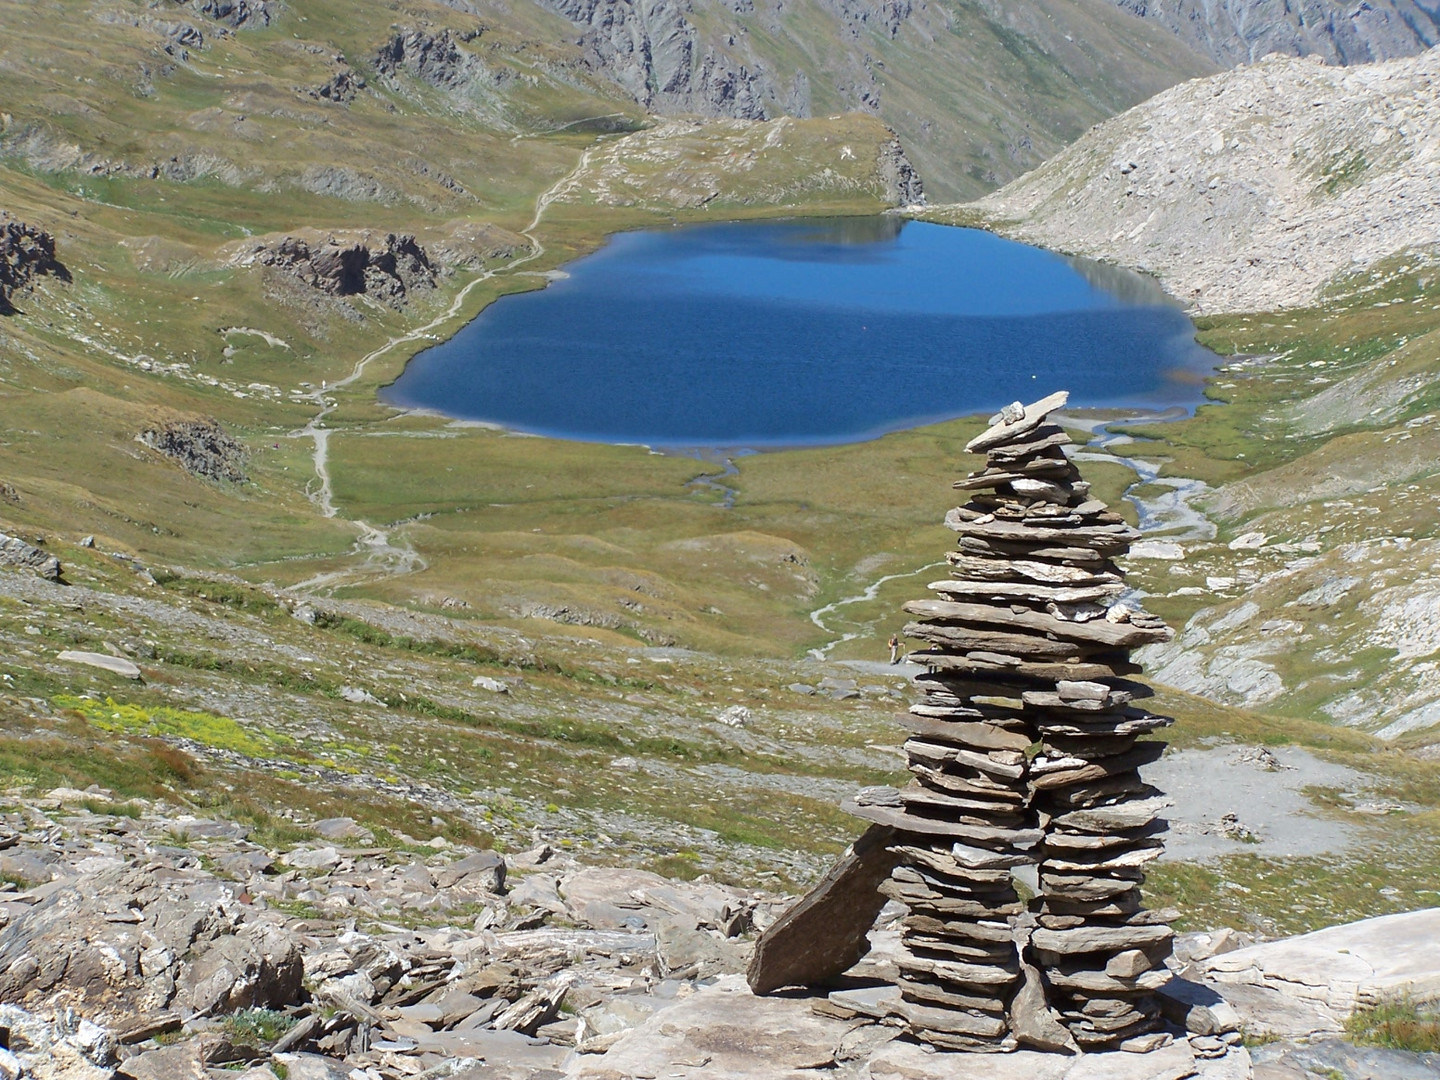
{"x":805,"y":332}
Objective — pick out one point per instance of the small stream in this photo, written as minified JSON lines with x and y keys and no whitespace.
{"x":1171,"y":513}
{"x":870,"y":592}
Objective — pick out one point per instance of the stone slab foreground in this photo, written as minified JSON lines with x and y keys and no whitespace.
{"x":1341,"y":968}
{"x":726,"y":1033}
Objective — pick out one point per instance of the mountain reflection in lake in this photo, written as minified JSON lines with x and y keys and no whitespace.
{"x":770,"y":334}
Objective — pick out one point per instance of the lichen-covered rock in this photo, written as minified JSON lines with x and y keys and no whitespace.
{"x":54,"y":1046}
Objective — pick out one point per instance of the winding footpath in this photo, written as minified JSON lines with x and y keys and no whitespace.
{"x":382,"y":558}
{"x":870,"y":592}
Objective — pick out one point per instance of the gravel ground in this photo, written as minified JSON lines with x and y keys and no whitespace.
{"x":1264,"y":789}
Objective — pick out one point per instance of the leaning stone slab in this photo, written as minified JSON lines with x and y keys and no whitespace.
{"x":1342,"y":968}
{"x":117,"y":664}
{"x":825,"y":933}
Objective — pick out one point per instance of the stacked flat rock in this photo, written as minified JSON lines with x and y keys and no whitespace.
{"x":1024,"y":749}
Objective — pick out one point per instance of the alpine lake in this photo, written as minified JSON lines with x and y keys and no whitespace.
{"x":765,"y":335}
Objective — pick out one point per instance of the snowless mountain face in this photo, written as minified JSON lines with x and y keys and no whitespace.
{"x":1341,"y":31}
{"x":978,"y":91}
{"x":1251,"y":190}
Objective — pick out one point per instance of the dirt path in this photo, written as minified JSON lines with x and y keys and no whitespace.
{"x":868,"y":593}
{"x":382,"y":558}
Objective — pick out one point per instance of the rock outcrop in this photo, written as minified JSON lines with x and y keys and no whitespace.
{"x":1251,"y":190}
{"x":26,"y":252}
{"x":1340,"y":31}
{"x":17,"y":553}
{"x":656,"y":53}
{"x":341,"y":87}
{"x":201,"y":447}
{"x":902,"y":183}
{"x":236,"y":14}
{"x":384,"y":266}
{"x":130,"y":943}
{"x":434,"y":59}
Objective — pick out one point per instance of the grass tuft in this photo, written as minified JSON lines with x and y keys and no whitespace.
{"x":1400,"y":1024}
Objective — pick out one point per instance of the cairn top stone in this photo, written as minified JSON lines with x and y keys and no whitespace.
{"x":1012,"y":422}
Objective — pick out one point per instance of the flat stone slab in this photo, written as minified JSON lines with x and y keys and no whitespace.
{"x":909,"y":1061}
{"x":726,"y":1033}
{"x":1330,"y":1057}
{"x":1204,"y":785}
{"x":117,"y":664}
{"x":1343,"y":967}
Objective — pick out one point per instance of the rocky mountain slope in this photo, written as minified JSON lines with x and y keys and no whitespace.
{"x":978,"y":92}
{"x":1253,"y":190}
{"x":1339,"y":31}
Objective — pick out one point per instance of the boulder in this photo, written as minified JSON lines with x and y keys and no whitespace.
{"x":1342,"y":968}
{"x":179,"y":1062}
{"x":483,"y":870}
{"x":118,"y":665}
{"x":17,"y":553}
{"x":259,"y":967}
{"x":126,"y":943}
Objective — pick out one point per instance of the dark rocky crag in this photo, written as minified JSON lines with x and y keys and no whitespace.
{"x":200,"y":446}
{"x":902,"y":183}
{"x":26,"y":253}
{"x":386,"y":267}
{"x":434,"y":59}
{"x":654,"y":52}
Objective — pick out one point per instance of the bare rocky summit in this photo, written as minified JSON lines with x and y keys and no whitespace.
{"x":1251,"y":190}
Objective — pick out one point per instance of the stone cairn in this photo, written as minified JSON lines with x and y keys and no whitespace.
{"x":1028,"y":643}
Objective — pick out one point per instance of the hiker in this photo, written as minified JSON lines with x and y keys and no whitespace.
{"x":894,"y":649}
